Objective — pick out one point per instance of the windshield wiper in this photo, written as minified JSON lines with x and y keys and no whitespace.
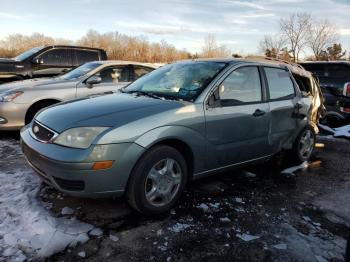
{"x":143,"y":93}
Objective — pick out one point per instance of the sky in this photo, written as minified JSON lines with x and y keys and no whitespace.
{"x":238,"y":24}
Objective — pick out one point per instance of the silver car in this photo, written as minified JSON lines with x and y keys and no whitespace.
{"x":21,"y":100}
{"x":180,"y":122}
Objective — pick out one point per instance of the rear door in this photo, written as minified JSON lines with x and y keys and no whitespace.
{"x":284,"y":104}
{"x":113,"y":78}
{"x":237,"y":119}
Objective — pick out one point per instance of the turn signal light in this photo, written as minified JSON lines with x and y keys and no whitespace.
{"x":102,"y":165}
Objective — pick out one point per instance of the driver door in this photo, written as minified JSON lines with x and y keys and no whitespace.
{"x":112,"y":79}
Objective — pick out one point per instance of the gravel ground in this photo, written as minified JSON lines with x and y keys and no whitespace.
{"x":256,"y":214}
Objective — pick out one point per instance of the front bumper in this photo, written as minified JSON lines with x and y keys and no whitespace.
{"x":12,"y":115}
{"x":70,"y":170}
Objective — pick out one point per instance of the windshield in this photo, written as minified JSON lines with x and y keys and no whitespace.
{"x":28,"y":53}
{"x":80,"y":71}
{"x":183,"y":80}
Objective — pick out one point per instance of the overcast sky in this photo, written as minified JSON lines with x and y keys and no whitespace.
{"x":238,"y":24}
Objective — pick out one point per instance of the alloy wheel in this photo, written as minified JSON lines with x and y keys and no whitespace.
{"x":306,"y":144}
{"x":163,"y":182}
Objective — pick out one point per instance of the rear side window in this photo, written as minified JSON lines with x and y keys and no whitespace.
{"x":84,"y":56}
{"x":241,"y":86}
{"x":304,"y":83}
{"x":57,"y":57}
{"x":280,"y":84}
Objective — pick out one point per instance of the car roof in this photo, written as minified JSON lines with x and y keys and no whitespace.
{"x":73,"y":46}
{"x":294,"y":68}
{"x":122,"y":62}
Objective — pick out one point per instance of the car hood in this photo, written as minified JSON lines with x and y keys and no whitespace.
{"x":32,"y":83}
{"x":112,"y":110}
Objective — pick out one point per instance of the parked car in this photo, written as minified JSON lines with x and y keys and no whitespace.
{"x":21,"y":100}
{"x":180,"y":122}
{"x":334,"y":77}
{"x":47,"y":61}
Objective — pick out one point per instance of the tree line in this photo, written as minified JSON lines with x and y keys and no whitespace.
{"x":118,"y":46}
{"x":299,"y":33}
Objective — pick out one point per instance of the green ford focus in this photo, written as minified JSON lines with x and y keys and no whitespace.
{"x":180,"y":122}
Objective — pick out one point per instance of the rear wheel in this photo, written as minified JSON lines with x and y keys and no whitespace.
{"x":303,"y":146}
{"x":157,"y":180}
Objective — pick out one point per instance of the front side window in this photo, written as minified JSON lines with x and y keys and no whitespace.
{"x":183,"y":80}
{"x":59,"y":57}
{"x":80,"y":71}
{"x":280,"y":84}
{"x":241,"y":86}
{"x":114,"y":74}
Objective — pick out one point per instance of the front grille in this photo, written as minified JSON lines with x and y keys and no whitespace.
{"x":41,"y":132}
{"x":71,"y":185}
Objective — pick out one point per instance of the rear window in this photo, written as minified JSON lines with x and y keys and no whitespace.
{"x":328,"y":70}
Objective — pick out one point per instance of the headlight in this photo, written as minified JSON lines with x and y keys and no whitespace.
{"x":80,"y":137}
{"x":10,"y":96}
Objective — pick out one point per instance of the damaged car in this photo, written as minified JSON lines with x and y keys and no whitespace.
{"x":183,"y":121}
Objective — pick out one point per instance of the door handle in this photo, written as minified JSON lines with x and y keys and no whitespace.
{"x":259,"y":112}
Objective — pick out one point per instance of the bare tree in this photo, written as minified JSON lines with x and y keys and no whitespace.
{"x":322,"y":35}
{"x":212,"y":49}
{"x":296,"y":30}
{"x":272,"y":44}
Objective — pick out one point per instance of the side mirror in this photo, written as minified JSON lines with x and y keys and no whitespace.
{"x":214,"y":99}
{"x":38,"y":60}
{"x":93,"y":81}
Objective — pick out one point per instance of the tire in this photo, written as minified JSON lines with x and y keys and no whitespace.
{"x":156,"y":192}
{"x":303,"y":146}
{"x":35,"y":109}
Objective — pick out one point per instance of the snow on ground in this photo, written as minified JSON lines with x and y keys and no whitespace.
{"x":336,"y":204}
{"x":290,"y":171}
{"x":27,"y":229}
{"x":343,"y":131}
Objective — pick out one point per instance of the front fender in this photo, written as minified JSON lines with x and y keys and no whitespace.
{"x":194,"y":139}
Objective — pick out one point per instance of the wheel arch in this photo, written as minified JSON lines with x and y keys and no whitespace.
{"x":184,"y":149}
{"x":42,"y":102}
{"x":190,"y":143}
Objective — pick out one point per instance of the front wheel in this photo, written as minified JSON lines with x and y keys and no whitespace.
{"x":157,"y":181}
